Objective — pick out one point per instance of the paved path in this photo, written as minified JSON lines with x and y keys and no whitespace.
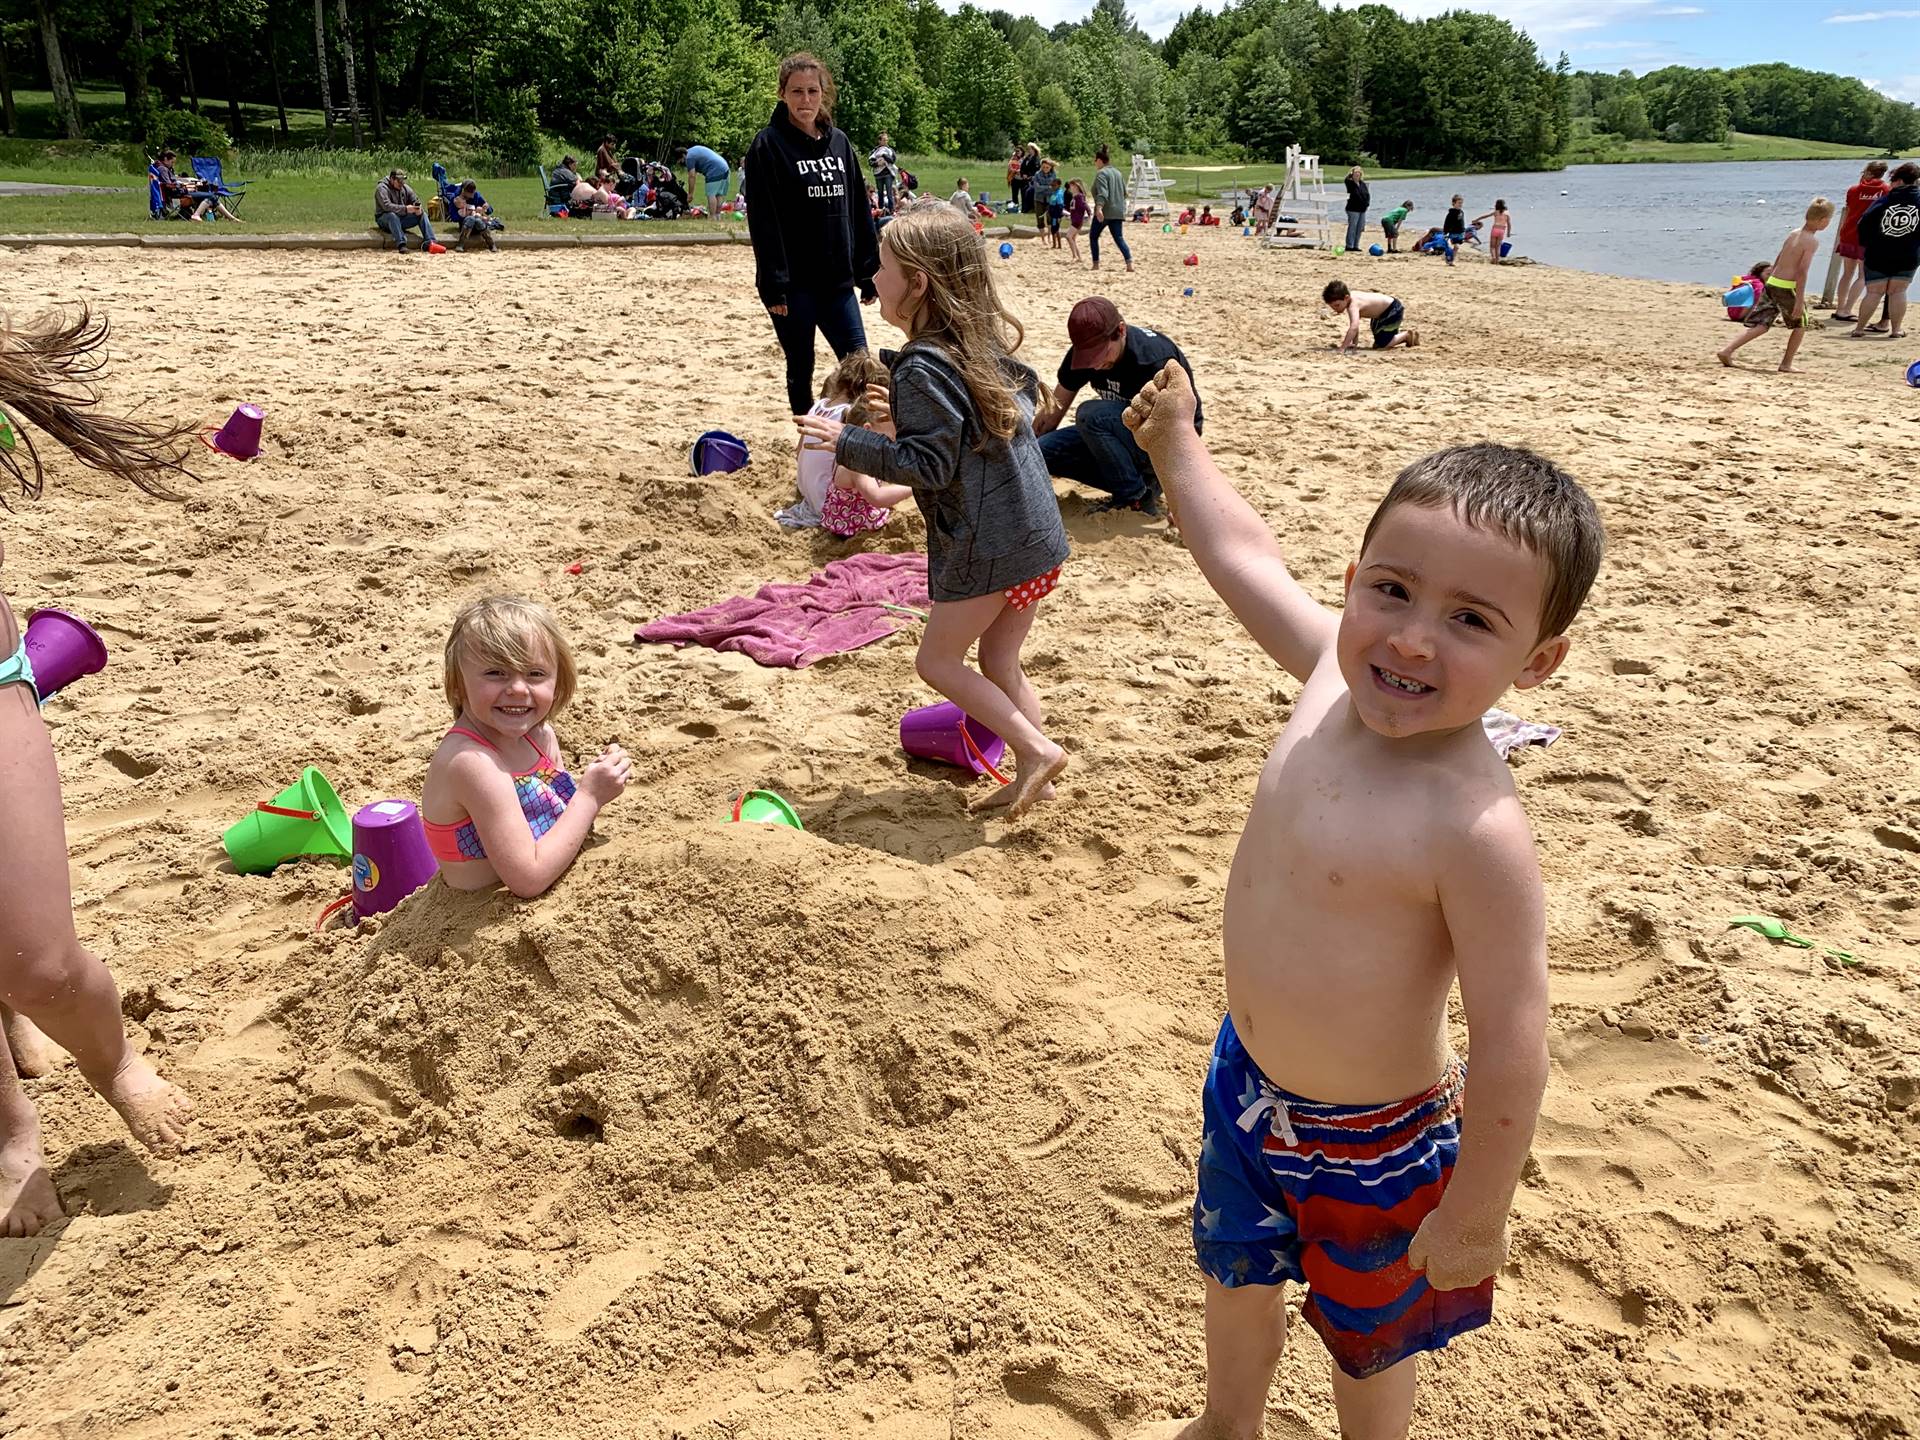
{"x":29,"y":187}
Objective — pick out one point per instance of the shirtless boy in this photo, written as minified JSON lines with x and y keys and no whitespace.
{"x":1784,"y":295}
{"x":1385,"y":855}
{"x":1382,"y":313}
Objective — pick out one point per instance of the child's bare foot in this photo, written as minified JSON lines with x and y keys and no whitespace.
{"x":1197,"y":1429}
{"x":1163,"y":410}
{"x":1724,"y":358}
{"x":1002,"y":797}
{"x":28,"y":1201}
{"x":1413,"y":338}
{"x":1025,"y":792}
{"x":157,"y":1113}
{"x":33,"y":1053}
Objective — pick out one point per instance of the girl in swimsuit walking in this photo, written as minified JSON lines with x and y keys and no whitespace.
{"x":499,"y":808}
{"x":1502,"y":227}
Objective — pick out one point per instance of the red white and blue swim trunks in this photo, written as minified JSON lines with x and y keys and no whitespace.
{"x":1329,"y":1196}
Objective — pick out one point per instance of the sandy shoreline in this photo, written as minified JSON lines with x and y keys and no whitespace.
{"x":888,"y":1129}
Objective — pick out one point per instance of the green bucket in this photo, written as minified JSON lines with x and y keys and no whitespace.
{"x":765,"y":806}
{"x":306,"y":818}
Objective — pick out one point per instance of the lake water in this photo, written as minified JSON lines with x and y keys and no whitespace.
{"x":1698,"y":223}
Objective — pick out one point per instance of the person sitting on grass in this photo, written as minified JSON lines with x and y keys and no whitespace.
{"x":1382,"y":313}
{"x":396,"y":209}
{"x":962,"y":198}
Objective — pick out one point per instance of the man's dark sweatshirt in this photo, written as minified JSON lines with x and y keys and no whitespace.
{"x":807,"y":212}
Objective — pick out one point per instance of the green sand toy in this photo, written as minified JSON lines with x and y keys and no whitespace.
{"x":306,"y":818}
{"x":766,"y":806}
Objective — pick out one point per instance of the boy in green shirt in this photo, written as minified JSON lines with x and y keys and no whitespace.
{"x":1390,"y":224}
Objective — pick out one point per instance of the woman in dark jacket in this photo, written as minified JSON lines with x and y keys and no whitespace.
{"x":1890,"y":247}
{"x":812,"y":228}
{"x":1029,"y":167}
{"x":1359,"y":198}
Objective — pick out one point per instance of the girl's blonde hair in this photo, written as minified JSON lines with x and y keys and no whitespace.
{"x":961,"y":311}
{"x":514,"y":634}
{"x":850,"y":378}
{"x":46,"y":380}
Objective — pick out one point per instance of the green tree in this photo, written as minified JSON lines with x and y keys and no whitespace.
{"x":1699,"y":108}
{"x":1055,"y":123}
{"x":1898,"y":128}
{"x":1625,"y":113}
{"x":983,"y":103}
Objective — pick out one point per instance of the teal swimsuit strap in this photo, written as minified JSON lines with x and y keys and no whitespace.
{"x":17,"y":669}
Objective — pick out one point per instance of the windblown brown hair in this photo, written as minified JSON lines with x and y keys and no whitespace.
{"x":46,"y":381}
{"x":1518,"y":494}
{"x":807,"y":60}
{"x":961,"y":312}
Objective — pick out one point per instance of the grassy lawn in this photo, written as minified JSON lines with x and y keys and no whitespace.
{"x":1738,"y":147}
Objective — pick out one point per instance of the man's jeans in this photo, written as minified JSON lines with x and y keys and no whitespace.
{"x":884,"y":187}
{"x":397,"y":225}
{"x":837,"y":315}
{"x":1356,"y":222}
{"x":1098,"y":450}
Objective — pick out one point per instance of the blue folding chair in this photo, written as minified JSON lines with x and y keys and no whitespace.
{"x":208,"y":169}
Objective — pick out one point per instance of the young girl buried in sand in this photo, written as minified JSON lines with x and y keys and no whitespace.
{"x":857,"y":503}
{"x":846,"y":386}
{"x":962,"y":408}
{"x":497,"y":806}
{"x":51,"y":986}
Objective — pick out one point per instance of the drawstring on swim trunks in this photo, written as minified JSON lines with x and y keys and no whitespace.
{"x":1282,"y":1124}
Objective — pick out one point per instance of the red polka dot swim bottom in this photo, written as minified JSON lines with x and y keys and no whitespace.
{"x":1029,"y":591}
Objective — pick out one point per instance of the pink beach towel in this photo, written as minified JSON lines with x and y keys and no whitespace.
{"x":841,"y":608}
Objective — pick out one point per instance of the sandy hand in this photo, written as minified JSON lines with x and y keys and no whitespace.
{"x":1163,"y":410}
{"x":157,"y":1113}
{"x":607,"y":776}
{"x":1456,"y":1256}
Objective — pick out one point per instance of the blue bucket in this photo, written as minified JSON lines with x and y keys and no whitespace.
{"x":717,"y":452}
{"x":1913,"y":374}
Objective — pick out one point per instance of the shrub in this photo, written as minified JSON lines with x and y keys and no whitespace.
{"x":511,"y":136}
{"x":188,"y":133}
{"x":408,"y":133}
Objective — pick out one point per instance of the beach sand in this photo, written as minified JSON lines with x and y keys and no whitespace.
{"x":888,"y":1129}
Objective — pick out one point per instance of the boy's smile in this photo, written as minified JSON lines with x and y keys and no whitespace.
{"x":1442,"y":617}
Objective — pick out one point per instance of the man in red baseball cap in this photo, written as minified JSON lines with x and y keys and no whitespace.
{"x":1118,"y":361}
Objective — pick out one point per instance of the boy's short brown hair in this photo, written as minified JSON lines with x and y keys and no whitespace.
{"x":1821,"y":208}
{"x":508,"y":631}
{"x":1518,"y":494}
{"x":1336,"y":290}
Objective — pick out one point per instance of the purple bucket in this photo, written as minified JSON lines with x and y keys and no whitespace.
{"x":61,"y":648}
{"x":240,"y":436}
{"x":717,"y":452}
{"x":390,"y":855}
{"x":934,"y":732}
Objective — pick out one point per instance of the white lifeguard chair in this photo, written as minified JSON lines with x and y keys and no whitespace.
{"x":1299,"y":215}
{"x":1146,"y":189}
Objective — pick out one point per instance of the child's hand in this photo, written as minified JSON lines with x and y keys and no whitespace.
{"x":1456,"y":1256}
{"x":607,"y":776}
{"x":879,"y":407}
{"x":823,"y":428}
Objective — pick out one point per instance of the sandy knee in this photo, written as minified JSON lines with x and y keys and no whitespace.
{"x":44,"y":978}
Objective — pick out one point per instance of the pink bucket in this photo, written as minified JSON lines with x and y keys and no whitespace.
{"x":240,"y":436}
{"x":943,"y":732}
{"x":62,"y":648}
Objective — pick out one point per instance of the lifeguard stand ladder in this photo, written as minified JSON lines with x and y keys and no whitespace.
{"x":1146,"y":190}
{"x":1300,"y":208}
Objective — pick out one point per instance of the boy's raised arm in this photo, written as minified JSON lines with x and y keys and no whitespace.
{"x":1237,"y":552}
{"x":1495,"y":912}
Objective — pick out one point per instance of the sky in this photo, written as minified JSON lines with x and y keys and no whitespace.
{"x":1871,"y":39}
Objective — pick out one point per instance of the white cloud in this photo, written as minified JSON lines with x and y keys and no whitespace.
{"x":1907,"y":87}
{"x":1864,"y":16}
{"x":1676,"y":10}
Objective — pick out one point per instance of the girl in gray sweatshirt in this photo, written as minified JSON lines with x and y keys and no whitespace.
{"x":962,"y":410}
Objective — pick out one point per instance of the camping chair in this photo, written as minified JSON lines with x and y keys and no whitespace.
{"x":208,"y":169}
{"x":160,"y":205}
{"x":559,"y":198}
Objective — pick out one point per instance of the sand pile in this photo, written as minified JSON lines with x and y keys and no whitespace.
{"x":887,"y":1129}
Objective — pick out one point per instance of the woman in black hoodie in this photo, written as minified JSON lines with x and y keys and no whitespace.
{"x":1890,"y":245}
{"x":812,"y":229}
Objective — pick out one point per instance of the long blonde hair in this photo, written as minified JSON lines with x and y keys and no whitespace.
{"x":961,"y":311}
{"x":46,"y":379}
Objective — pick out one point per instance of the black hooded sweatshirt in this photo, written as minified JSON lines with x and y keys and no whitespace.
{"x":1890,"y":231}
{"x":807,"y":212}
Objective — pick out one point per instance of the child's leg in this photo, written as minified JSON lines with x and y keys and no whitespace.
{"x":1379,"y":1407}
{"x":45,"y":973}
{"x":952,"y":627}
{"x":32,"y":1055}
{"x":1000,"y":663}
{"x":28,"y":1201}
{"x":1246,"y":1331}
{"x":1796,"y":332}
{"x":1748,"y":334}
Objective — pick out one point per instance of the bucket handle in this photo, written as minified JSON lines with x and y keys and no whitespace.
{"x":738,"y":801}
{"x":290,"y":814}
{"x":328,"y":913}
{"x":974,"y":750}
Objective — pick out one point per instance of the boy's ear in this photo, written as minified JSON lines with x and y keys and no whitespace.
{"x":1544,"y":660}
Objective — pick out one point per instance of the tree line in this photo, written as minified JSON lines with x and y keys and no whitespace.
{"x":1686,"y":104}
{"x":1459,"y":90}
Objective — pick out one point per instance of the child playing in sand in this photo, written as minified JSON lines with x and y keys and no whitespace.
{"x":1382,"y":313}
{"x":1385,"y":854}
{"x":962,"y":407}
{"x":1391,"y":222}
{"x":52,"y":988}
{"x":1498,"y":231}
{"x":1783,"y":295}
{"x":857,"y":503}
{"x":1079,"y":210}
{"x":497,"y":806}
{"x":1756,"y":276}
{"x":845,"y":386}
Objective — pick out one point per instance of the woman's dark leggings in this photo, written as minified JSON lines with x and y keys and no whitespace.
{"x":836,"y":314}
